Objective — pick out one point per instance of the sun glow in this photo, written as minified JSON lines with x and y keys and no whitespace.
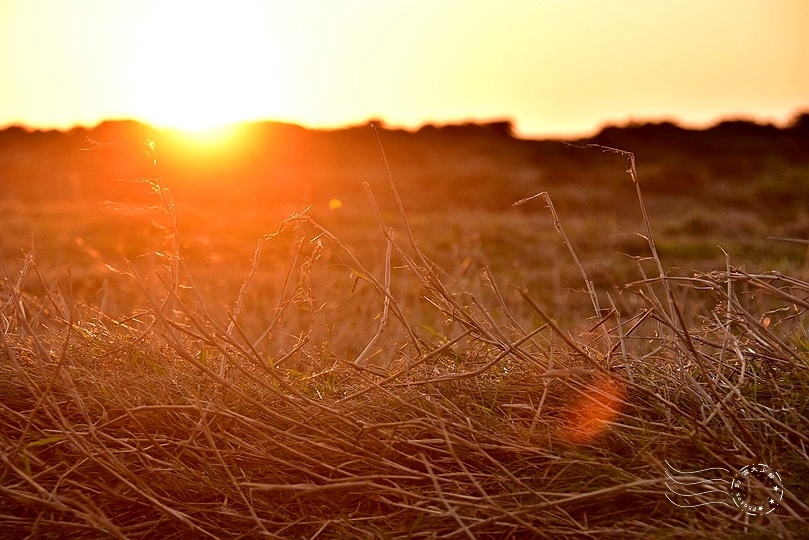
{"x":195,"y":66}
{"x":217,"y":136}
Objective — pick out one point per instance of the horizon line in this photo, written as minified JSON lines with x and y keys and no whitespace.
{"x":628,"y":122}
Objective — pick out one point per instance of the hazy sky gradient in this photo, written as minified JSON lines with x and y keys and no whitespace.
{"x":554,"y":67}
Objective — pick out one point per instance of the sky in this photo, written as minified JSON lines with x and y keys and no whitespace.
{"x":553,"y":67}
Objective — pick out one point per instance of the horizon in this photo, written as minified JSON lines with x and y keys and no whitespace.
{"x":382,"y":123}
{"x":554,"y":69}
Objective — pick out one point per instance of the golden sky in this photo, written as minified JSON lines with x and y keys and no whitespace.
{"x":556,"y":67}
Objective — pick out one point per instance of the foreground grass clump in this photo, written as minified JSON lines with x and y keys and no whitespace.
{"x":461,"y":409}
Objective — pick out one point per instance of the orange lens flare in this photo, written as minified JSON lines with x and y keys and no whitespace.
{"x":590,"y":413}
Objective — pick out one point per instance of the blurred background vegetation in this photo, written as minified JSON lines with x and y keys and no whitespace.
{"x":738,"y":186}
{"x":465,"y":165}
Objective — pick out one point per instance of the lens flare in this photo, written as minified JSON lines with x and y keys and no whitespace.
{"x":590,"y":414}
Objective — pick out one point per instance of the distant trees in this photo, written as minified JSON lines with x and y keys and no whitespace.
{"x":501,"y":128}
{"x":473,"y":164}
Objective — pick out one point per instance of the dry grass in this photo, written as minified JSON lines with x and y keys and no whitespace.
{"x":429,"y":404}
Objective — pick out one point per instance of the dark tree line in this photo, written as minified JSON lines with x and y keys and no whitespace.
{"x":473,"y":164}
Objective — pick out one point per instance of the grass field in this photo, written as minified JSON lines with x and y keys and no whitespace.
{"x":197,"y":371}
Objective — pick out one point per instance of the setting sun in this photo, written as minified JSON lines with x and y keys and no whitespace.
{"x":555,"y":68}
{"x":197,"y":66}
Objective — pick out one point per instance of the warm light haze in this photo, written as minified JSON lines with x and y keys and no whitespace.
{"x":553,"y":67}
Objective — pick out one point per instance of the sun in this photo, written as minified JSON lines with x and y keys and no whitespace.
{"x":204,"y":65}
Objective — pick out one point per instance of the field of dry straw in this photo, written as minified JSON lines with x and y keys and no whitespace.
{"x":382,"y":376}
